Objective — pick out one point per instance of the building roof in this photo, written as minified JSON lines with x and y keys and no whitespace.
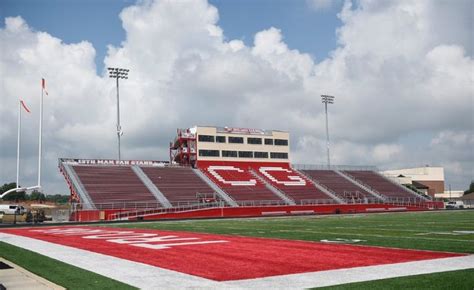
{"x":419,"y":185}
{"x":469,"y":196}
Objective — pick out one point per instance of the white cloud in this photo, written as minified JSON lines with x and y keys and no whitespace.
{"x":320,"y":5}
{"x":391,"y":75}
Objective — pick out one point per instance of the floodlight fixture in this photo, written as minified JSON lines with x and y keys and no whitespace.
{"x":118,"y":73}
{"x":326,"y":99}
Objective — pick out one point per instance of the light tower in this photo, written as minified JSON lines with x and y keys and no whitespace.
{"x":118,"y":73}
{"x":327,"y":100}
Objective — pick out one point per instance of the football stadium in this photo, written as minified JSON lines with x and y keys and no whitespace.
{"x":229,"y":211}
{"x":226,"y":176}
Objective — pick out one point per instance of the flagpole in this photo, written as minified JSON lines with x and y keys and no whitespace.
{"x":40,"y":134}
{"x":18,"y":146}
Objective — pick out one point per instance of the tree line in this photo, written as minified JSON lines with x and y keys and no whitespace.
{"x":34,"y":196}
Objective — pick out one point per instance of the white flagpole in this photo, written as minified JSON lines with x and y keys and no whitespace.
{"x":40,"y":134}
{"x":18,"y":146}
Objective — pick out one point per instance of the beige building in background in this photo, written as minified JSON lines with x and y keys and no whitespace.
{"x":241,"y":144}
{"x":427,"y":179}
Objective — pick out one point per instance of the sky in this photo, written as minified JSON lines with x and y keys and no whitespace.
{"x":401,"y":71}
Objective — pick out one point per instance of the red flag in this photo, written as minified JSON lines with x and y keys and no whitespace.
{"x":43,"y":85}
{"x":24,"y":106}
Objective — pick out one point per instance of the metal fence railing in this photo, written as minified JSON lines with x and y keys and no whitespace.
{"x":333,"y":167}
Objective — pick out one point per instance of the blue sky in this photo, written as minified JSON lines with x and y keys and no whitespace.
{"x":97,"y":21}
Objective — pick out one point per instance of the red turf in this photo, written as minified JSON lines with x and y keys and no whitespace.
{"x":239,"y":257}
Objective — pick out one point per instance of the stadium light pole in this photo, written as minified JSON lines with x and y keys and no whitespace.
{"x":118,"y":73}
{"x":327,"y":100}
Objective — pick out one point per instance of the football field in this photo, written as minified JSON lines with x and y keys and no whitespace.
{"x":232,"y":251}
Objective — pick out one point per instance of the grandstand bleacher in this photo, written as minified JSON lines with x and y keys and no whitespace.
{"x":342,"y":187}
{"x":120,"y":186}
{"x":112,"y":186}
{"x":240,"y":184}
{"x":381,"y":184}
{"x":291,"y":183}
{"x":180,"y":185}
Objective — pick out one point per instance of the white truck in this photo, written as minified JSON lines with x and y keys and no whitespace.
{"x":12,"y":209}
{"x":458,"y":204}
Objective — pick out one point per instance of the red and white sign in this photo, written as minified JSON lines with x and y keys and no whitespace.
{"x":248,"y":131}
{"x":114,"y":162}
{"x":214,"y":171}
{"x":291,"y":179}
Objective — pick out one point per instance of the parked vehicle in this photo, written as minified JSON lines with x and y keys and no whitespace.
{"x":12,"y":209}
{"x":458,"y":204}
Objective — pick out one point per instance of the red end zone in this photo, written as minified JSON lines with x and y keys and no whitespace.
{"x":220,"y":257}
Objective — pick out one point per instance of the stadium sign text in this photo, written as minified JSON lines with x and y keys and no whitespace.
{"x":277,"y":175}
{"x":115,"y":162}
{"x":242,"y":131}
{"x":143,"y":240}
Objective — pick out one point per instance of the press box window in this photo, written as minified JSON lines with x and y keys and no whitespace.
{"x":254,"y":140}
{"x":212,"y":153}
{"x":278,"y":155}
{"x":239,"y":140}
{"x":260,"y":154}
{"x":245,"y":154}
{"x":229,"y":153}
{"x":220,"y":139}
{"x":268,"y":141}
{"x":281,"y":142}
{"x":206,"y":138}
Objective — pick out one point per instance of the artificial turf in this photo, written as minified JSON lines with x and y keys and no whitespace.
{"x":58,"y":272}
{"x":459,"y":280}
{"x":450,"y":231}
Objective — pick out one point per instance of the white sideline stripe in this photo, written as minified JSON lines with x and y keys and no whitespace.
{"x":359,"y":274}
{"x":133,"y":273}
{"x":150,"y":277}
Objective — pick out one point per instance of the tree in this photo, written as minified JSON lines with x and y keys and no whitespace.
{"x":37,"y":196}
{"x":7,"y":186}
{"x":471,"y":188}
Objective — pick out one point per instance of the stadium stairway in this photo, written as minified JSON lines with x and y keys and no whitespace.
{"x":382,"y":184}
{"x":293,"y":184}
{"x":241,"y":185}
{"x":320,"y":186}
{"x":180,"y":185}
{"x":272,"y":188}
{"x":228,"y":199}
{"x":151,"y":187}
{"x":114,"y":186}
{"x":366,"y":188}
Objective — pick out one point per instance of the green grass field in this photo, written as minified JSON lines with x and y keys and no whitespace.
{"x":440,"y":231}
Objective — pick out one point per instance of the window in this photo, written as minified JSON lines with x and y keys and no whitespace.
{"x":206,"y":138}
{"x":220,"y":139}
{"x":229,"y":153}
{"x":278,"y":155}
{"x":254,"y":140}
{"x":213,"y":153}
{"x":268,"y":141}
{"x":260,"y":154}
{"x":245,"y":154}
{"x":236,"y":140}
{"x":281,"y":142}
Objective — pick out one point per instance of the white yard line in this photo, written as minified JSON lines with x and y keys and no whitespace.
{"x":359,"y":274}
{"x":151,"y":277}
